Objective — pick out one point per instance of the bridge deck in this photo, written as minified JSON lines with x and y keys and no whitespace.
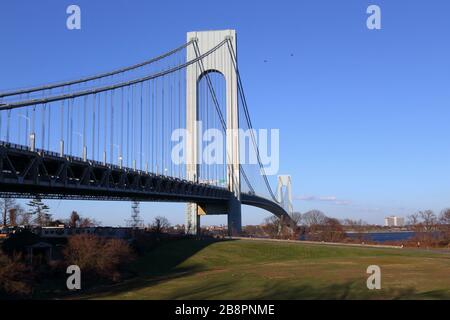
{"x":24,"y":173}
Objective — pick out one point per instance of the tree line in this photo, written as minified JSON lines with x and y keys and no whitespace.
{"x":13,"y":214}
{"x":314,"y":225}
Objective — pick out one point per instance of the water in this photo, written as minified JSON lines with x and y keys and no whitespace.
{"x":383,"y":236}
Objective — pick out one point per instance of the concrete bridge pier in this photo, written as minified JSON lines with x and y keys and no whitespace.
{"x":232,"y":209}
{"x":234,"y":217}
{"x":192,"y":226}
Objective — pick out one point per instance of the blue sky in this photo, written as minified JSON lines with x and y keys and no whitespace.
{"x":363,"y":114}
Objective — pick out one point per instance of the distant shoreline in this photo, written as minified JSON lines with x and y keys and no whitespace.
{"x":381,"y":231}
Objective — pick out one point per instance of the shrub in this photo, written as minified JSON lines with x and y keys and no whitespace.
{"x":15,"y":277}
{"x":18,"y":242}
{"x":97,"y":256}
{"x":330,"y":230}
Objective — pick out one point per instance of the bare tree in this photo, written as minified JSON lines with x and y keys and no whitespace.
{"x":331,"y":230}
{"x":88,"y":223}
{"x":271,"y":226}
{"x":98,"y":257}
{"x":6,"y":204}
{"x":10,"y":211}
{"x":313,"y":217}
{"x":74,"y":219}
{"x":429,"y":220}
{"x":413,"y":219}
{"x":297,"y":218}
{"x":354,"y":223}
{"x":160,"y":225}
{"x":78,"y":221}
{"x":444,"y":217}
{"x":23,"y":217}
{"x":276,"y":228}
{"x":444,"y":225}
{"x":15,"y":277}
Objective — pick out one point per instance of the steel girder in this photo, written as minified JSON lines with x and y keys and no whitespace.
{"x":24,"y":173}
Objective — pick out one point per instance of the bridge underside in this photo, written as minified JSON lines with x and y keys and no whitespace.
{"x":268,"y":205}
{"x":25,"y":174}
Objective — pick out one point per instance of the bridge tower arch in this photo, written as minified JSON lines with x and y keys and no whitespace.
{"x":284,"y":197}
{"x":221,"y":61}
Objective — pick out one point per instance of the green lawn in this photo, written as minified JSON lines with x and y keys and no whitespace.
{"x":189,"y":269}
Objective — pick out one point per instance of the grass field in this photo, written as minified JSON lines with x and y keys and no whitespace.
{"x":244,"y":269}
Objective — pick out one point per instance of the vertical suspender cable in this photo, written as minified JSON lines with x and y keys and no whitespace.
{"x":121,"y":127}
{"x":85,"y":126}
{"x":94,"y":103}
{"x":140,"y":137}
{"x":62,"y":124}
{"x":111,"y":148}
{"x":163,"y":163}
{"x":42,"y":126}
{"x":128,"y":127}
{"x":105,"y":127}
{"x":98,"y":125}
{"x":153,"y":149}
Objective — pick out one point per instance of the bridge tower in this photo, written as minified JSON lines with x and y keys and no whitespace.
{"x":203,"y":42}
{"x":284,"y":193}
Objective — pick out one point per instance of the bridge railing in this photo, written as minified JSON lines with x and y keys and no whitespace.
{"x":40,"y":152}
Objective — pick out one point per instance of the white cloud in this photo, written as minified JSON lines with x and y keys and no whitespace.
{"x":331,"y":199}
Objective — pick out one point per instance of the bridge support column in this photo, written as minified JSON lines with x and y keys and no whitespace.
{"x":234,"y":217}
{"x":192,"y":226}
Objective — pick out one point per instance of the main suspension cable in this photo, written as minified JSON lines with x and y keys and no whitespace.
{"x":95,"y":77}
{"x":248,"y":119}
{"x":110,"y":87}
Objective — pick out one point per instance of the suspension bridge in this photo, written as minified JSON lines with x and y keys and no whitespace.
{"x":110,"y":136}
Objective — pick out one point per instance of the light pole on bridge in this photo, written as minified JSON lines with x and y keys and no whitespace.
{"x":28,"y":125}
{"x":32,"y":136}
{"x":119,"y":157}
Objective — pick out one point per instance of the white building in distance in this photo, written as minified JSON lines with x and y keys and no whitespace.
{"x":394,"y":221}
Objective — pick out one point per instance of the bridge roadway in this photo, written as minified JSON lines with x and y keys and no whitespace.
{"x":25,"y":173}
